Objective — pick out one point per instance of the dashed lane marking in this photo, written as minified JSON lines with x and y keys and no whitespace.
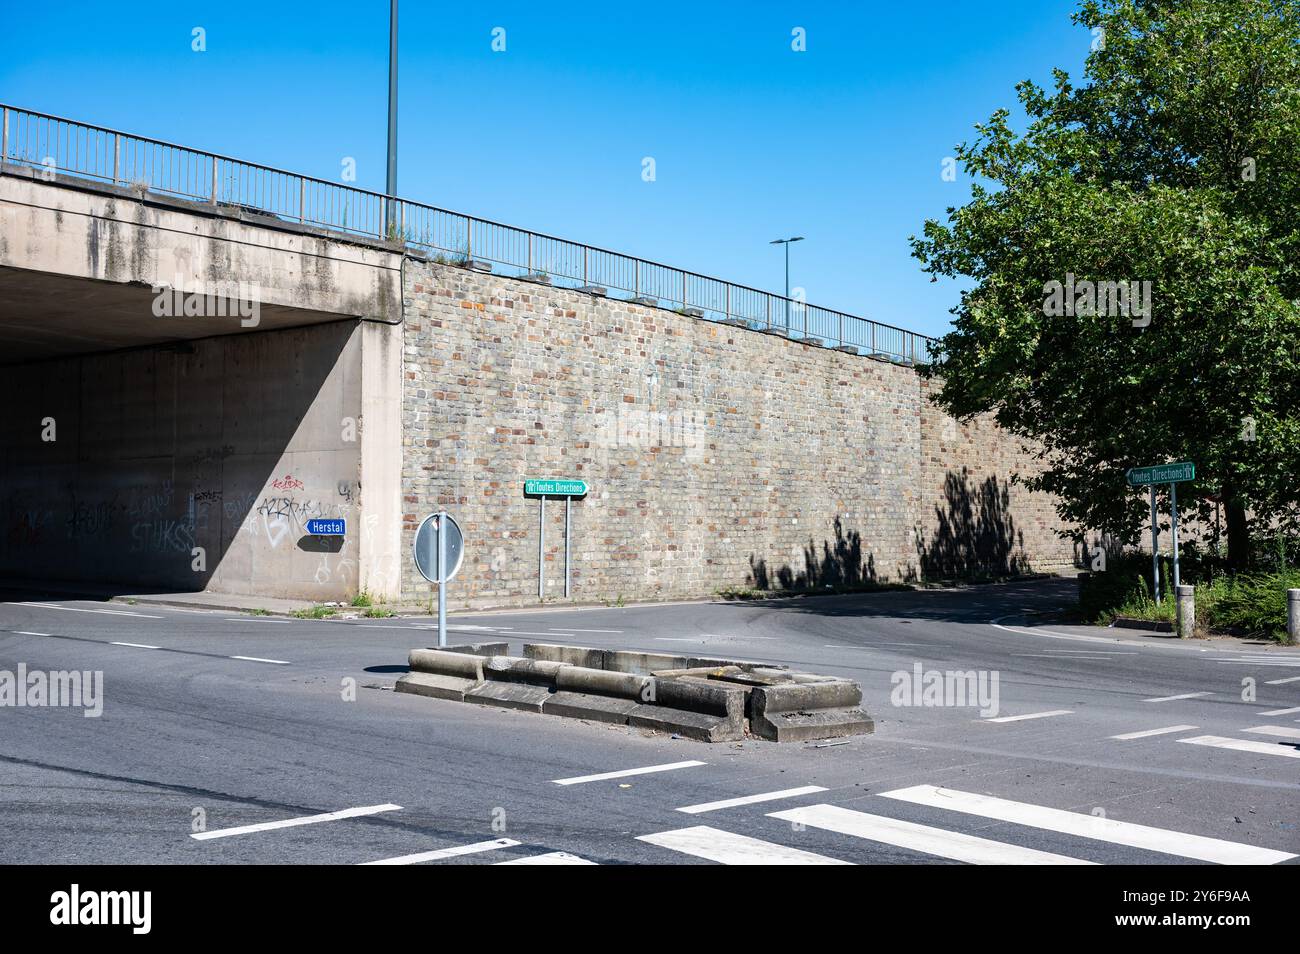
{"x":1185,"y":695}
{"x":550,"y":858}
{"x":1278,"y":682}
{"x":75,"y":609}
{"x":259,"y":659}
{"x":1147,"y":733}
{"x":1244,"y":745}
{"x":135,"y":645}
{"x":625,"y":773}
{"x":1281,"y":731}
{"x":750,"y":799}
{"x":1030,"y":715}
{"x":441,"y":853}
{"x":1281,"y":712}
{"x":295,"y":822}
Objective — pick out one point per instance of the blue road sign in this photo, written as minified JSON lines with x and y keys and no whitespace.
{"x":326,"y":528}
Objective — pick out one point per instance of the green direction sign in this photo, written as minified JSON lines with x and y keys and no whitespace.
{"x":1162,"y":474}
{"x":555,"y":488}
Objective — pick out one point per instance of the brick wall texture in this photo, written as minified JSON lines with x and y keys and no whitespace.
{"x":716,"y":456}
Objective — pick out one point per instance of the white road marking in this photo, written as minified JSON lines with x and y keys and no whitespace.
{"x":1244,"y":745}
{"x":1030,"y":715}
{"x":750,"y":799}
{"x":1045,"y":656}
{"x":134,"y":645}
{"x":1278,"y":682}
{"x":624,"y":773}
{"x":1147,"y":733}
{"x":550,"y":858}
{"x":732,"y":849}
{"x":520,"y":632}
{"x":446,"y":853}
{"x":1099,"y":652}
{"x":74,"y":609}
{"x":23,"y":632}
{"x":587,"y":631}
{"x":253,"y":619}
{"x":1185,"y":695}
{"x":1281,"y":731}
{"x":277,"y":662}
{"x":1276,"y":712}
{"x":1091,"y":826}
{"x":922,"y":838}
{"x":294,"y":822}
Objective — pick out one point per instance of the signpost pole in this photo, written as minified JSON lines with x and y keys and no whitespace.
{"x":568,"y":501}
{"x":1173,"y":504}
{"x":442,"y":577}
{"x":541,"y":548}
{"x":1155,"y":548}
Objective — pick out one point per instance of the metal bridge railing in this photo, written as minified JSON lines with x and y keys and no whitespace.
{"x":68,"y":148}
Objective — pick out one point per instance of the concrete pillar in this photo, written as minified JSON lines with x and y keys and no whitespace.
{"x":1186,"y":611}
{"x":380,"y":568}
{"x":1293,"y":615}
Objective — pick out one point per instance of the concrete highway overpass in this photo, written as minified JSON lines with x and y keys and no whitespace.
{"x":202,"y":355}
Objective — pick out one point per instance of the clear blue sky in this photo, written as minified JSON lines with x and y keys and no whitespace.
{"x":752,"y":141}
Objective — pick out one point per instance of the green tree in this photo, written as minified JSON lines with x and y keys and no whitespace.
{"x":1175,"y":162}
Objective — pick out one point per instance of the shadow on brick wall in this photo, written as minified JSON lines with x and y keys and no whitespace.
{"x":974,"y":535}
{"x":835,"y":563}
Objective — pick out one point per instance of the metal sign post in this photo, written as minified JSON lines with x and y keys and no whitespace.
{"x":1173,"y":506}
{"x":1155,"y":548}
{"x":439,"y":550}
{"x":442,"y":583}
{"x":1172,"y":474}
{"x":568,"y":489}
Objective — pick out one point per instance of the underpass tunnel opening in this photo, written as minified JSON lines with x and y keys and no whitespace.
{"x":182,"y":465}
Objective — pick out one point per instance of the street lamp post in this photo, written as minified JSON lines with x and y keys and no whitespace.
{"x":391,"y":187}
{"x":786,"y":242}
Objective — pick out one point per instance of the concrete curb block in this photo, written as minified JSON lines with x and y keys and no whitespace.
{"x":798,"y":712}
{"x":707,"y":699}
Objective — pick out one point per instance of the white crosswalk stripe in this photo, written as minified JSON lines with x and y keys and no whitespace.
{"x":922,"y":838}
{"x":728,"y":848}
{"x":1145,"y":837}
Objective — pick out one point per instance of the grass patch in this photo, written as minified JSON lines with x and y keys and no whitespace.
{"x":1247,"y":604}
{"x":259,"y":612}
{"x":362,"y":599}
{"x":378,"y":612}
{"x":316,"y":612}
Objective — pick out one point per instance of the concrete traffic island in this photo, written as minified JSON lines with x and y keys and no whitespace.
{"x":702,"y":698}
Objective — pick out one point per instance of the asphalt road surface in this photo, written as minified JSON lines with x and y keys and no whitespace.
{"x":1100,"y":746}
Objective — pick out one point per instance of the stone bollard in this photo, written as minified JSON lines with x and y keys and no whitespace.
{"x":1293,"y":615}
{"x":1186,"y":611}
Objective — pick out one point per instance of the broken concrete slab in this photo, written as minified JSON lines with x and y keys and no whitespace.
{"x":509,"y":695}
{"x":701,"y":726}
{"x":435,"y":686}
{"x":584,"y":705}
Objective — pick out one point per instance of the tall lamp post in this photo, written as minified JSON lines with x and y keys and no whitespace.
{"x":391,"y":187}
{"x":786,"y":242}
